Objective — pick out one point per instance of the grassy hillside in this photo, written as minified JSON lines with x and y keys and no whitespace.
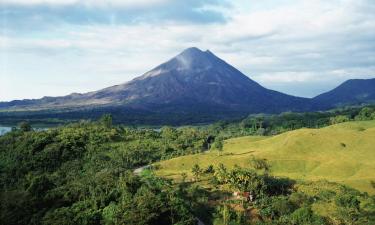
{"x":344,"y":153}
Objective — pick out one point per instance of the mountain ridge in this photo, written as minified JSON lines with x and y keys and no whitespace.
{"x":192,"y":76}
{"x":192,"y":82}
{"x":352,"y":91}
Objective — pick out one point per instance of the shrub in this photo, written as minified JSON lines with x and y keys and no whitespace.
{"x":259,"y":164}
{"x":339,"y":119}
{"x":274,"y":207}
{"x":197,"y":171}
{"x":305,"y":216}
{"x":326,"y":195}
{"x":299,"y":199}
{"x":25,"y":126}
{"x":209,"y":169}
{"x":366,"y":113}
{"x":218,"y":144}
{"x":347,"y":201}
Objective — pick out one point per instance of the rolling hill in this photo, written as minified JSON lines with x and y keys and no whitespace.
{"x":343,"y":153}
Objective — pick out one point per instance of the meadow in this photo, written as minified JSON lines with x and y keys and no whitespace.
{"x":342,"y":153}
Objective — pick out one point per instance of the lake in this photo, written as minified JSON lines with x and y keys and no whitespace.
{"x":4,"y":129}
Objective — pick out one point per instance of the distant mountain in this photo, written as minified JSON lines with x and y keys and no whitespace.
{"x":193,"y":80}
{"x":351,"y":92}
{"x":194,"y":85}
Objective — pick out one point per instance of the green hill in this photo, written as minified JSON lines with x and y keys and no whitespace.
{"x":343,"y":153}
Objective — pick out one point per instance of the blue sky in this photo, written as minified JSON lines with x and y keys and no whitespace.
{"x":304,"y":47}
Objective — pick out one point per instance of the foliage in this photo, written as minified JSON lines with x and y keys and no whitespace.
{"x":306,"y":216}
{"x":82,"y":174}
{"x":106,"y":120}
{"x":366,"y":113}
{"x":209,"y":169}
{"x":25,"y":126}
{"x":218,"y":144}
{"x":339,"y":119}
{"x":259,"y":164}
{"x":197,"y":171}
{"x":262,"y":124}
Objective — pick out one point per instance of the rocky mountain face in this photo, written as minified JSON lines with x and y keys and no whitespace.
{"x":193,"y":80}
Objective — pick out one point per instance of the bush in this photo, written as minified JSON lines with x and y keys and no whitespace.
{"x":218,"y":144}
{"x":209,"y":169}
{"x":259,"y":164}
{"x":339,"y":119}
{"x":299,"y":199}
{"x":282,"y":206}
{"x":366,"y":113}
{"x":25,"y":126}
{"x":305,"y":216}
{"x":274,"y":207}
{"x":347,"y":201}
{"x":197,"y":171}
{"x":326,"y":195}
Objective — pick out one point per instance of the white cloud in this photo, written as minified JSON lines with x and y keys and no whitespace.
{"x":306,"y":43}
{"x":286,"y":77}
{"x":98,"y":3}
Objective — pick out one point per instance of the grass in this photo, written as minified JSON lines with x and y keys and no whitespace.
{"x":342,"y":153}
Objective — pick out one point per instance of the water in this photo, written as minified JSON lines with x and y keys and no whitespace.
{"x":4,"y":130}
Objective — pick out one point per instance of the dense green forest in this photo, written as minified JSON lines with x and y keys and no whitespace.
{"x":274,"y":124}
{"x":146,"y":118}
{"x":82,"y":173}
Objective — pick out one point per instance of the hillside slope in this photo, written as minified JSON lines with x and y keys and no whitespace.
{"x":355,"y":91}
{"x":342,"y":153}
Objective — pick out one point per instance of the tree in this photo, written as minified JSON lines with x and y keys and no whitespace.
{"x":305,"y":215}
{"x":168,"y":133}
{"x":347,"y":201}
{"x":184,"y":176}
{"x":197,"y":171}
{"x":225,"y":211}
{"x":339,"y":119}
{"x":221,"y":174}
{"x":246,"y":180}
{"x":25,"y":126}
{"x":218,"y":145}
{"x":106,"y":120}
{"x":259,"y":164}
{"x":261,"y":131}
{"x":209,"y":169}
{"x":366,"y":113}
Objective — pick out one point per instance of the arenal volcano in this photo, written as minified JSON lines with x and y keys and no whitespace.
{"x":193,"y":81}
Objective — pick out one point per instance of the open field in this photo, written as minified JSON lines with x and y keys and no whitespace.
{"x":343,"y":153}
